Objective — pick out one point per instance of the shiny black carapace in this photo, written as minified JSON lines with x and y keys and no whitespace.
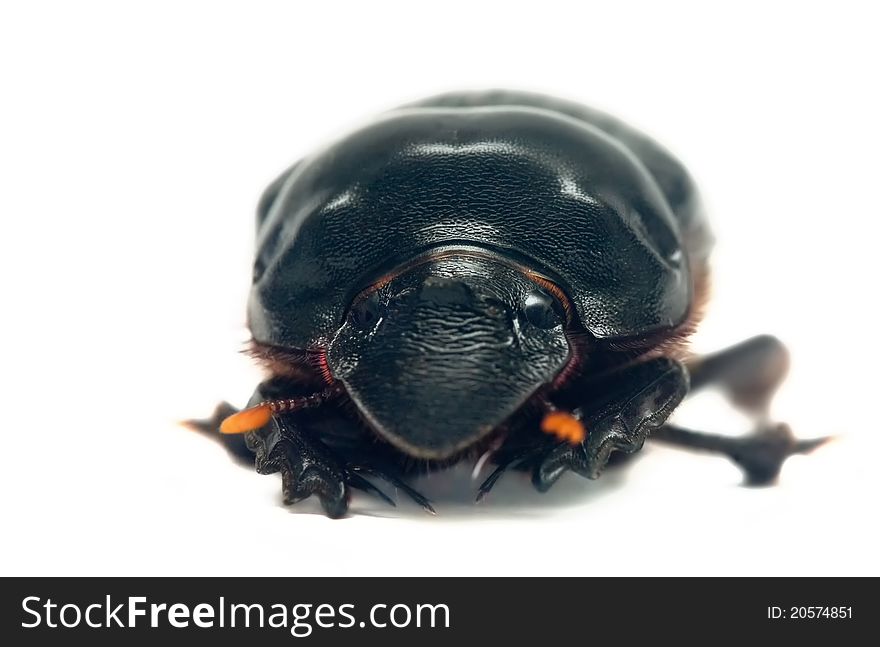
{"x":499,"y":276}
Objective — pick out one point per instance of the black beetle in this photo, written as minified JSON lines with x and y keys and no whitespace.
{"x":498,"y":275}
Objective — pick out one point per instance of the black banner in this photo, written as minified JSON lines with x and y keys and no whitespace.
{"x":434,"y":611}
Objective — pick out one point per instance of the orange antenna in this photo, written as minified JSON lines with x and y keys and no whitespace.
{"x":259,"y":415}
{"x":564,"y":426}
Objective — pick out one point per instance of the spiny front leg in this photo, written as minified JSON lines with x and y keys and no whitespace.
{"x":615,"y":414}
{"x":639,"y":399}
{"x":304,"y":435}
{"x":311,"y":467}
{"x":307,"y":467}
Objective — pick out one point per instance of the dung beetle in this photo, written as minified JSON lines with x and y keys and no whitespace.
{"x":501,"y":277}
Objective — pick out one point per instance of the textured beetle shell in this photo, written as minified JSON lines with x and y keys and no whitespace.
{"x":566,"y":190}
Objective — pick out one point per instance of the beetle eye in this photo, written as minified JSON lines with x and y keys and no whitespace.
{"x":542,"y":310}
{"x":367,"y":312}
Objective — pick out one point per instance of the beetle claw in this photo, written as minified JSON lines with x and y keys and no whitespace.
{"x":359,"y":482}
{"x":398,"y":483}
{"x":487,"y":485}
{"x":310,"y":470}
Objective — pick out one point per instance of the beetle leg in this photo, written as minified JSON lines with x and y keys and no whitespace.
{"x":749,"y":373}
{"x":307,"y":466}
{"x":638,"y":399}
{"x":635,"y":401}
{"x":760,"y":455}
{"x":314,"y":450}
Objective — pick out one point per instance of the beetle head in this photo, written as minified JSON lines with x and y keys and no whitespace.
{"x":437,"y":356}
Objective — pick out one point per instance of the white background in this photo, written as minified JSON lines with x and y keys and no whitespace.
{"x":134,"y":144}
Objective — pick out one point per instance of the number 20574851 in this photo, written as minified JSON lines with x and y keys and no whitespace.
{"x":809,"y":613}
